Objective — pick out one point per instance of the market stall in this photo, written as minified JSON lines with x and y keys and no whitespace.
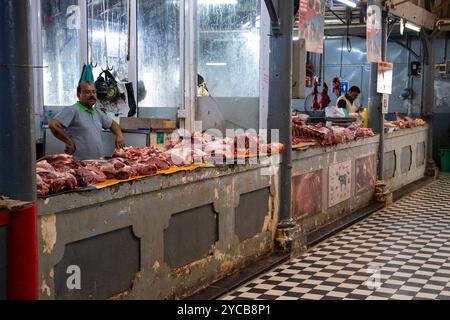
{"x":405,"y":148}
{"x":163,"y":233}
{"x":334,"y":171}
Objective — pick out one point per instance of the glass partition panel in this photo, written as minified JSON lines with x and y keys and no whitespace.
{"x":159,"y":53}
{"x":229,"y":47}
{"x":108,"y":36}
{"x":61,"y":50}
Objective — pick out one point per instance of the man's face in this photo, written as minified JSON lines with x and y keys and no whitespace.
{"x":353,"y":95}
{"x":87,"y":95}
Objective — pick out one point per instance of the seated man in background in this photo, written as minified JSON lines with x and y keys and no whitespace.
{"x":80,"y":126}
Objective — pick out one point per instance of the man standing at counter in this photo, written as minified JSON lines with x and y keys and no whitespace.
{"x":80,"y":126}
{"x":347,"y":100}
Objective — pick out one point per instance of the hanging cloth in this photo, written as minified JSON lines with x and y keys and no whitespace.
{"x":87,"y":75}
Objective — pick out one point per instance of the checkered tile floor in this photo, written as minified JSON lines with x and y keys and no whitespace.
{"x":401,"y":252}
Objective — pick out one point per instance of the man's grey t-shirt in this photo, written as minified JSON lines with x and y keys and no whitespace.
{"x":85,"y":130}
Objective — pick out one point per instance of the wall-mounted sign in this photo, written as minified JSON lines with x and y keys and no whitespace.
{"x":307,"y":194}
{"x":374,"y":31}
{"x":385,"y":104}
{"x":339,"y":183}
{"x":311,"y":24}
{"x":385,"y":71}
{"x":365,"y":174}
{"x":344,"y":87}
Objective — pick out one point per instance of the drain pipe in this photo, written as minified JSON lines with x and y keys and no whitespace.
{"x":280,"y":116}
{"x":17,"y":145}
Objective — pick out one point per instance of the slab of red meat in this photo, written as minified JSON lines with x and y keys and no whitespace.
{"x":43,"y":164}
{"x":338,"y":135}
{"x":89,"y":176}
{"x":57,"y":181}
{"x":272,"y":148}
{"x":112,"y":167}
{"x":145,"y":169}
{"x":60,"y":162}
{"x":125,"y":173}
{"x":57,"y":158}
{"x":349,"y":135}
{"x":42,"y":188}
{"x":181,"y":155}
{"x":364,"y":132}
{"x":159,"y":164}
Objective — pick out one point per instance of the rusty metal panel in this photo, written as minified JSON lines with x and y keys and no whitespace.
{"x":406,"y":159}
{"x":190,"y":236}
{"x":390,"y":160}
{"x":251,"y":212}
{"x":107,"y":263}
{"x":3,"y":261}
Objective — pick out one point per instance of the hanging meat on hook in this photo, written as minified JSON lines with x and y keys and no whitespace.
{"x":337,"y":87}
{"x":325,"y":101}
{"x":315,"y":94}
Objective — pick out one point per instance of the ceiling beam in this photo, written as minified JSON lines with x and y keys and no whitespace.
{"x":412,"y":12}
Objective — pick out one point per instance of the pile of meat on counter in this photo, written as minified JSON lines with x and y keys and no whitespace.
{"x":320,"y":134}
{"x":58,"y":173}
{"x":204,"y":148}
{"x":404,"y":122}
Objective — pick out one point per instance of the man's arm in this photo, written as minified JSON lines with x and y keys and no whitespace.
{"x":59,"y":132}
{"x":120,"y":140}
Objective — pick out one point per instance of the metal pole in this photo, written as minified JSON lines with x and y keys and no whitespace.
{"x":376,"y":117}
{"x":280,"y":117}
{"x":17,"y":145}
{"x":384,"y":39}
{"x":427,"y":107}
{"x":17,"y":135}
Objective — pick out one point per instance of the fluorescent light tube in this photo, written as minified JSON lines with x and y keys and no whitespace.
{"x":348,"y":3}
{"x":413,"y":27}
{"x":216,"y":64}
{"x":208,"y":2}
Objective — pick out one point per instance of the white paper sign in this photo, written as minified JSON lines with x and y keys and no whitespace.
{"x":385,"y":106}
{"x":339,"y":183}
{"x":385,"y":71}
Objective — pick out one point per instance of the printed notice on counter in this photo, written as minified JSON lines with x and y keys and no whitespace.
{"x":339,"y":183}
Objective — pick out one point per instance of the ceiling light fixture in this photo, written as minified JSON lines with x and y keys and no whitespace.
{"x":411,"y":26}
{"x":402,"y":26}
{"x":348,"y":3}
{"x":209,"y":2}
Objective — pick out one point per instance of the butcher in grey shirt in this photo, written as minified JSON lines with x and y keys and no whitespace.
{"x":80,"y":126}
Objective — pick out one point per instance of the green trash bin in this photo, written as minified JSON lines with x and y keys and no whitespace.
{"x":445,"y":159}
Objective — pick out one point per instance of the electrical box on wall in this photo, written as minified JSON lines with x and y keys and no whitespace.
{"x":443,"y":68}
{"x":415,"y":68}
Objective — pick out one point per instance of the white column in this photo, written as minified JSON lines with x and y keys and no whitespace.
{"x":132,"y":63}
{"x":264,"y":68}
{"x":84,"y":51}
{"x":37,"y":61}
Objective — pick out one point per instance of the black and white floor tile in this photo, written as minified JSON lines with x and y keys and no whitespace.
{"x":401,"y":252}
